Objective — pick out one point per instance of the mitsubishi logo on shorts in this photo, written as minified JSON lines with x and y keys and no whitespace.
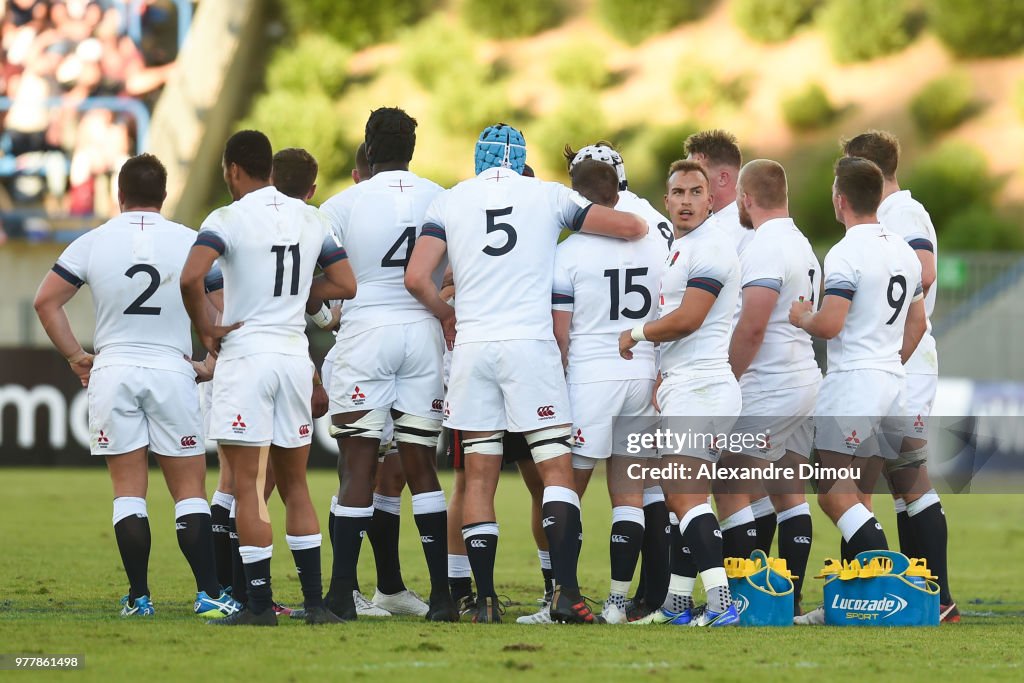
{"x":102,"y":441}
{"x":853,"y":440}
{"x":437,"y":405}
{"x":579,"y":438}
{"x":304,"y":430}
{"x":358,"y":397}
{"x":238,"y":426}
{"x":447,"y":410}
{"x":188,"y":441}
{"x":546,"y":412}
{"x":918,"y":422}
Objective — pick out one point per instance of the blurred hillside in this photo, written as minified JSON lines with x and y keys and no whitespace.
{"x":788,"y":77}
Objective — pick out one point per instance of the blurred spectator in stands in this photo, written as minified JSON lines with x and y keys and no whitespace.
{"x":23,"y":20}
{"x":76,"y":19}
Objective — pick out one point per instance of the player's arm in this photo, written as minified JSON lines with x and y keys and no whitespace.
{"x":828,"y":321}
{"x":680,"y":323}
{"x":600,"y":220}
{"x":563,"y":300}
{"x":193,"y":292}
{"x":926,"y":255}
{"x":561,"y":320}
{"x":426,"y":257}
{"x":55,"y":291}
{"x":758,"y":303}
{"x":917,"y":324}
{"x":336,"y":281}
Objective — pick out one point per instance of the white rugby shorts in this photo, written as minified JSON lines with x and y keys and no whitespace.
{"x":517,"y":385}
{"x":595,"y":405}
{"x":782,"y":420}
{"x":131,"y":407}
{"x":860,"y":413}
{"x":697,"y":407}
{"x":263,"y":399}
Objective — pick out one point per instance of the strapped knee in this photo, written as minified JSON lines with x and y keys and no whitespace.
{"x":549,"y":443}
{"x":369,"y":426}
{"x":908,"y":459}
{"x":485,"y":445}
{"x":418,"y":430}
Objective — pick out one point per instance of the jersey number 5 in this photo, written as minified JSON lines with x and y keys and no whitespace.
{"x":136,"y":307}
{"x":502,"y":227}
{"x":613,"y":283}
{"x":279,"y":276}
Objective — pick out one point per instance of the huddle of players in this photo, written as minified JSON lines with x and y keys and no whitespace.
{"x":507,"y":370}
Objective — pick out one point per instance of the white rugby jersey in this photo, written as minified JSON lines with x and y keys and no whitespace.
{"x":377,"y":221}
{"x":727,"y":219}
{"x":609,"y":286}
{"x":502,"y":229}
{"x":658,"y":226}
{"x":880,"y":275}
{"x":780,"y":258}
{"x":902,"y":214}
{"x":269,"y":244}
{"x":132,"y":264}
{"x":705,"y":259}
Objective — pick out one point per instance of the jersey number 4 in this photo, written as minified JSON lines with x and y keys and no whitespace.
{"x":407,"y":240}
{"x":279,"y":251}
{"x":136,"y":307}
{"x":613,"y":284}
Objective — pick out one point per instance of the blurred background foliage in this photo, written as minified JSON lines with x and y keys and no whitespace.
{"x":788,"y":77}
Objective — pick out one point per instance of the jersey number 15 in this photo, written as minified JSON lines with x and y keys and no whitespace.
{"x":613,"y":284}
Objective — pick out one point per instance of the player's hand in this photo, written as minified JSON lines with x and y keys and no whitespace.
{"x":654,"y":394}
{"x":204,"y":371}
{"x":798,"y":310}
{"x":448,"y":327}
{"x":320,"y":401}
{"x":626,"y":343}
{"x":211,"y":340}
{"x":81,"y":365}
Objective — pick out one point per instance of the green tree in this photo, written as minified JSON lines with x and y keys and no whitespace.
{"x":513,"y":18}
{"x":772,"y":21}
{"x":356,"y":24}
{"x":978,"y":29}
{"x":859,"y":30}
{"x":636,"y":20}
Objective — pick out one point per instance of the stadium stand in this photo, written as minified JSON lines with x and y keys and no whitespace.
{"x":78,"y":82}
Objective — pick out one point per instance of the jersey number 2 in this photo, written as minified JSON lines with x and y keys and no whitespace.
{"x":613,"y":283}
{"x":136,"y":307}
{"x":279,"y":277}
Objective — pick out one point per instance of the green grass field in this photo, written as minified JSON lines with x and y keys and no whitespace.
{"x":60,"y":580}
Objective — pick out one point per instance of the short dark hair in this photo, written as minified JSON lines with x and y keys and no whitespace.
{"x":142,"y":181}
{"x":879,"y":146}
{"x":390,"y":136}
{"x":569,"y":153}
{"x":860,"y":181}
{"x":294,"y":172}
{"x":250,"y":150}
{"x":687,"y":166}
{"x":597,"y":181}
{"x":362,"y":163}
{"x":718,"y":147}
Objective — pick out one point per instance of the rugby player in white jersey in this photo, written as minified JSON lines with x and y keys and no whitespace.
{"x":719,"y":155}
{"x":748,"y":518}
{"x":920,"y":518}
{"x":774,"y":361}
{"x":500,"y":230}
{"x":267,"y":245}
{"x":389,"y":360}
{"x":385,"y":524}
{"x":872,"y":314}
{"x":654,"y":569}
{"x":697,"y":392}
{"x":599,"y":283}
{"x":142,"y":391}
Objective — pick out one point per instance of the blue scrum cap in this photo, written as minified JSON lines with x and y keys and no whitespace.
{"x":500,"y":145}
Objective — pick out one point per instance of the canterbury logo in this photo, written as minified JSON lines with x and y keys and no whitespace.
{"x":751,"y":532}
{"x":219,"y":529}
{"x":437,"y":405}
{"x":546,"y":411}
{"x":668,"y":530}
{"x":478,"y":543}
{"x":180,"y":526}
{"x":188,"y":441}
{"x":803,"y":540}
{"x":303,"y":430}
{"x":258,"y":582}
{"x":718,"y":533}
{"x":426,"y":539}
{"x":619,"y":538}
{"x":546,"y":522}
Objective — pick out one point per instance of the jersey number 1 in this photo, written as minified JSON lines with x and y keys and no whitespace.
{"x":279,"y":277}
